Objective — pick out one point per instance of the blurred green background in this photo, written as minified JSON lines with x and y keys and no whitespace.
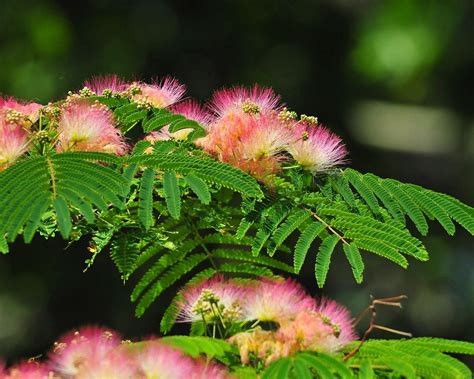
{"x":394,"y":78}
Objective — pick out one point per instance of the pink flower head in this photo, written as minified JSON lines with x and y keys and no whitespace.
{"x":117,"y":364}
{"x":156,"y":360}
{"x":340,"y":319}
{"x":89,"y":127}
{"x":276,"y":300}
{"x":88,"y":346}
{"x":210,"y":299}
{"x":252,"y":143}
{"x":193,"y":110}
{"x":14,"y":112}
{"x":316,"y":148}
{"x":208,"y":370}
{"x":13,"y":143}
{"x":99,"y":84}
{"x":261,"y":344}
{"x":29,"y":370}
{"x":160,"y":94}
{"x":254,"y":100}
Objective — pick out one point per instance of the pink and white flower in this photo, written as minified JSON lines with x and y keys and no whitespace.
{"x":14,"y":143}
{"x":316,"y":148}
{"x":117,"y":364}
{"x":78,"y":350}
{"x":254,"y":100}
{"x":160,"y":94}
{"x":29,"y":370}
{"x":156,"y":360}
{"x":89,"y":127}
{"x":340,"y":318}
{"x":99,"y":84}
{"x":276,"y":300}
{"x":14,"y":112}
{"x":212,"y":300}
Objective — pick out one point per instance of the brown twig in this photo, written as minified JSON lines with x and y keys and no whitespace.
{"x":390,"y":301}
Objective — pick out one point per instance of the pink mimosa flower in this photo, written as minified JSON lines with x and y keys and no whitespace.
{"x":208,"y":370}
{"x":99,"y":84}
{"x":316,"y":148}
{"x":210,"y":298}
{"x":160,"y":94}
{"x":261,"y":344}
{"x":276,"y":300}
{"x":89,"y":127}
{"x":13,"y":143}
{"x":340,"y":318}
{"x":29,"y":370}
{"x":253,"y":143}
{"x":117,"y":364}
{"x":156,"y":360}
{"x":88,"y":346}
{"x":14,"y":112}
{"x":247,"y":100}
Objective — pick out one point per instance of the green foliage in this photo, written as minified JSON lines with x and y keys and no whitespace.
{"x":308,"y":365}
{"x":412,"y":358}
{"x":62,"y":181}
{"x":172,"y":194}
{"x":195,"y":346}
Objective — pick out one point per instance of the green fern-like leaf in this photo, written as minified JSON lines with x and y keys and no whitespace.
{"x":204,"y":168}
{"x":168,"y":279}
{"x":145,"y":204}
{"x":355,"y":260}
{"x":304,"y":243}
{"x":172,"y":194}
{"x":278,"y":369}
{"x":323,"y":258}
{"x":272,"y":218}
{"x":293,"y":221}
{"x":195,"y":346}
{"x":124,"y":254}
{"x":30,"y":187}
{"x":199,"y":187}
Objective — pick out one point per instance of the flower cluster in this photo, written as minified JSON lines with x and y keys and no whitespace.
{"x":93,"y":352}
{"x":252,"y":131}
{"x":246,"y":127}
{"x":15,"y":120}
{"x":300,"y":322}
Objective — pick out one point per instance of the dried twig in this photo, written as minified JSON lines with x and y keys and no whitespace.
{"x":389,"y":301}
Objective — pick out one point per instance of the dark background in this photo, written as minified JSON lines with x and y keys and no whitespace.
{"x":394,"y":78}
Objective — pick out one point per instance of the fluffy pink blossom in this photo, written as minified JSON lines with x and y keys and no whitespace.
{"x":117,"y":364}
{"x":112,"y":83}
{"x":15,"y":112}
{"x":89,"y":127}
{"x":29,"y":370}
{"x":156,"y":360}
{"x":191,"y":110}
{"x":261,"y":344}
{"x":253,"y":143}
{"x":276,"y":300}
{"x":206,"y":299}
{"x":316,"y":148}
{"x":86,"y":347}
{"x":340,"y":317}
{"x":245,"y":100}
{"x":13,"y":143}
{"x":207,"y":370}
{"x":160,"y":94}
